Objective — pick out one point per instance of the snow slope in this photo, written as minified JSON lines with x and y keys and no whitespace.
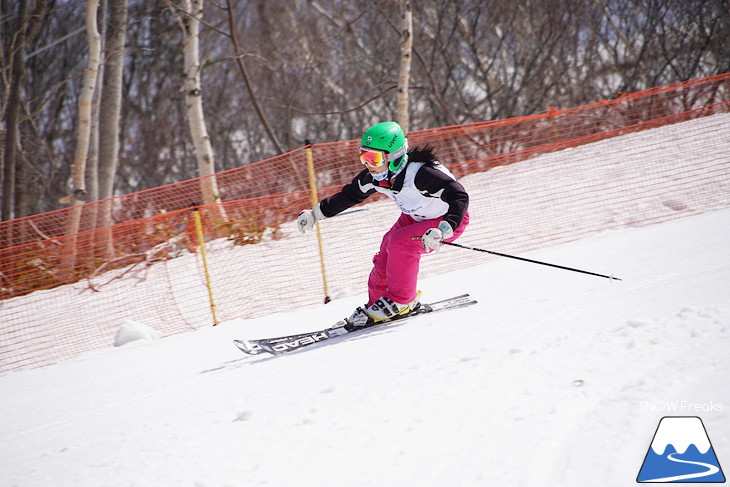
{"x":555,"y":378}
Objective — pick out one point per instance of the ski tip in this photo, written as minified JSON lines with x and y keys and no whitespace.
{"x":248,"y":347}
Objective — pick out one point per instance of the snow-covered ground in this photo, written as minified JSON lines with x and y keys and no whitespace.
{"x":554,"y":379}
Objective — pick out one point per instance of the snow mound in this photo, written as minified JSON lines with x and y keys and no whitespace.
{"x":131,"y":331}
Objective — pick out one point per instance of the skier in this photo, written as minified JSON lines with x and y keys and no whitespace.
{"x":434,"y":209}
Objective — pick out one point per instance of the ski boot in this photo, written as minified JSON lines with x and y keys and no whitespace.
{"x":383,"y":309}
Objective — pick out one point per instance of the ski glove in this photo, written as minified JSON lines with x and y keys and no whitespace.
{"x":307,"y":219}
{"x":434,"y":237}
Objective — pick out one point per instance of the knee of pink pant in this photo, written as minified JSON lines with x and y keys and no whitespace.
{"x":403,"y":276}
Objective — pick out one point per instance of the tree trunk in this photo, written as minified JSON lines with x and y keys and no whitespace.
{"x":192,"y":86}
{"x":111,"y":105}
{"x":12,"y":114}
{"x":83,"y":137}
{"x":406,"y":48}
{"x":92,"y":160}
{"x":13,"y":160}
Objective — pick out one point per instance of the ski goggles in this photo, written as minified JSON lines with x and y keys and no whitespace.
{"x":373,"y":157}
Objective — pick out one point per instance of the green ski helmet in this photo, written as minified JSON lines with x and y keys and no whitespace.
{"x":387,"y":137}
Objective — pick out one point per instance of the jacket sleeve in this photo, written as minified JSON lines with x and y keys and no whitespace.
{"x":437,"y":184}
{"x":351,"y":194}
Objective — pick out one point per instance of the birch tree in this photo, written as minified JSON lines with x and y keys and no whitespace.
{"x":406,"y":47}
{"x":111,"y":106}
{"x":85,"y":114}
{"x":78,"y":193}
{"x":92,"y":158}
{"x":189,"y":15}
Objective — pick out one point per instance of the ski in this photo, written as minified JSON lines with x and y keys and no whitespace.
{"x":288,"y":343}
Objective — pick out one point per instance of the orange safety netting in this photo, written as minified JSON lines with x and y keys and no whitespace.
{"x":61,"y":294}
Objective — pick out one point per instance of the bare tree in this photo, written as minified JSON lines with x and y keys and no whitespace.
{"x":83,"y":137}
{"x":111,"y":101}
{"x":92,"y":160}
{"x":247,"y":78}
{"x":12,"y":113}
{"x":321,"y":70}
{"x":85,"y":112}
{"x":189,"y":18}
{"x":12,"y":170}
{"x":406,"y":47}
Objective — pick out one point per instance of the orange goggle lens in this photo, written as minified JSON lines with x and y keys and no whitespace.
{"x":372,"y":158}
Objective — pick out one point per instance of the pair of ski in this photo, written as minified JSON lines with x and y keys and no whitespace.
{"x":279,"y":345}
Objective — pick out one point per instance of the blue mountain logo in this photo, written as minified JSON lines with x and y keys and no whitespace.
{"x":681,"y":452}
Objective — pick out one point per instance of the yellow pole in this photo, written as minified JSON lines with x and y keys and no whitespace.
{"x":315,"y":200}
{"x":201,"y":241}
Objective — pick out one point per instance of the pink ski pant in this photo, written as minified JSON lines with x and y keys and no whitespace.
{"x":395,"y":266}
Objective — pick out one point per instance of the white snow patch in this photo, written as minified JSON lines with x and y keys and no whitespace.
{"x":131,"y":331}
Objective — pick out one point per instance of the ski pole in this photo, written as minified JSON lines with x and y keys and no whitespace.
{"x":530,"y":260}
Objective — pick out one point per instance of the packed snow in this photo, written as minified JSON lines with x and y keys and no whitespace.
{"x":554,"y":379}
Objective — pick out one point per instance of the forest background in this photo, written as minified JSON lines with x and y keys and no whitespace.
{"x":274,"y":73}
